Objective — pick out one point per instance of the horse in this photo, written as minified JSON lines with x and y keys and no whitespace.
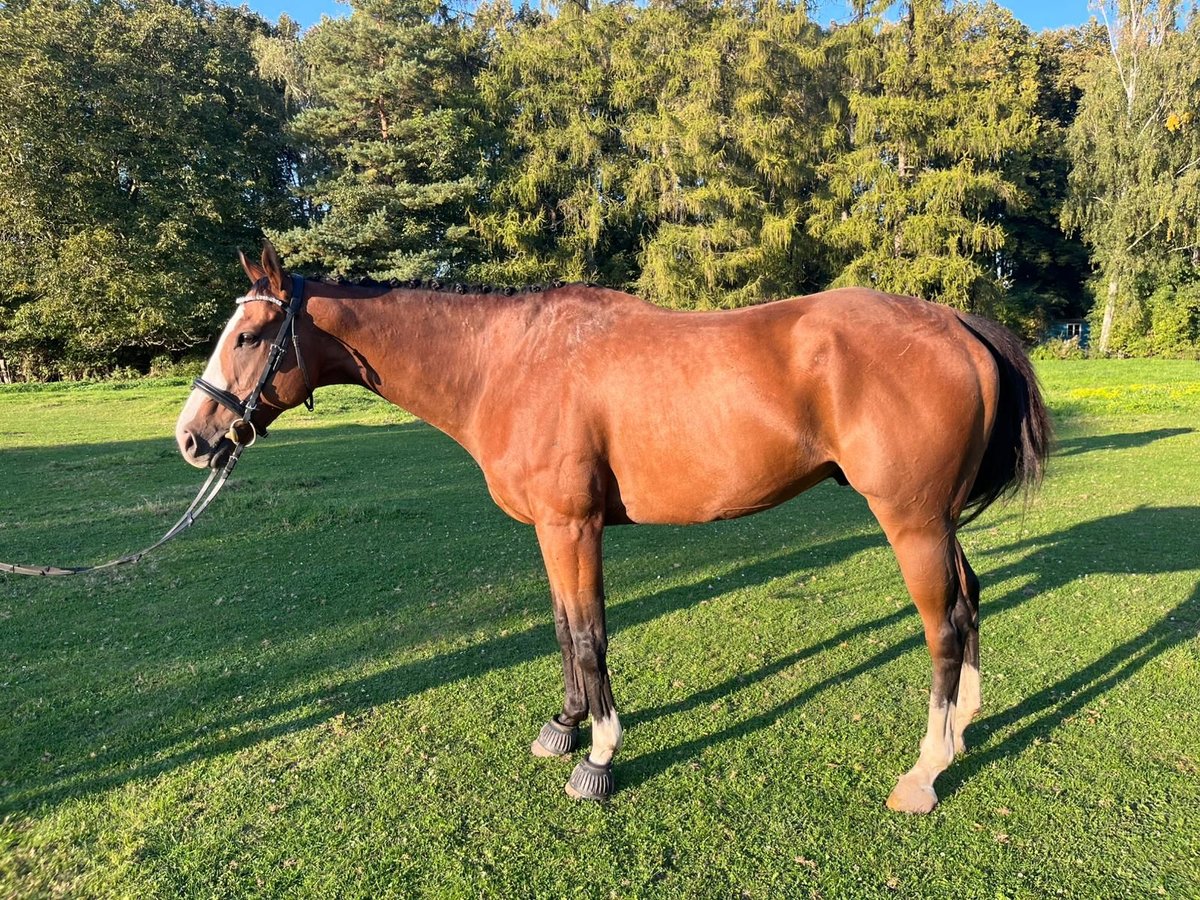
{"x":586,"y":407}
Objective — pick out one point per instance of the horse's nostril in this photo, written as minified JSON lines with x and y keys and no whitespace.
{"x":189,"y":443}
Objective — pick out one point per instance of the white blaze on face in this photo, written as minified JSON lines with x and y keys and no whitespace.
{"x":213,"y":374}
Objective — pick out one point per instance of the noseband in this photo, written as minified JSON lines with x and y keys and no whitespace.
{"x":244,"y":409}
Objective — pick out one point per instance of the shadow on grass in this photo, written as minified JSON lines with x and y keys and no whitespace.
{"x":1125,"y":441}
{"x":410,"y":464}
{"x":1144,"y":535}
{"x":1147,"y":541}
{"x":1053,"y":706}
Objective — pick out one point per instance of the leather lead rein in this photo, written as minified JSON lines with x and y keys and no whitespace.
{"x":244,"y":409}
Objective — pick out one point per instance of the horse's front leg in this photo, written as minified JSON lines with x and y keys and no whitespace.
{"x":572,"y":553}
{"x":560,"y":736}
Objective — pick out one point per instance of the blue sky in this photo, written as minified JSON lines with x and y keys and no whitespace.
{"x":1037,"y":14}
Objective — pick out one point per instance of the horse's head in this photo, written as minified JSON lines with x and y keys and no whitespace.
{"x":242,"y":355}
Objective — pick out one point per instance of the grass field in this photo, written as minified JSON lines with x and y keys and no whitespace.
{"x":327,"y":687}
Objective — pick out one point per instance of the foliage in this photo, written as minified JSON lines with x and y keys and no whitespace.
{"x":557,"y":209}
{"x":1175,"y":320}
{"x":727,"y":148}
{"x":701,"y":153}
{"x":1135,"y":178}
{"x":137,"y":145}
{"x":1058,"y":348}
{"x":392,"y":141}
{"x":943,"y":120}
{"x":1046,"y":268}
{"x":665,"y":149}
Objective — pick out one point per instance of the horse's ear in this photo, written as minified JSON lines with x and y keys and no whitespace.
{"x":253,"y":270}
{"x":273,"y":269}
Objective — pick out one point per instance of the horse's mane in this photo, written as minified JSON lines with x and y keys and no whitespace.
{"x":438,"y":285}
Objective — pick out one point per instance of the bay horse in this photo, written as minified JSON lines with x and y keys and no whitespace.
{"x":586,"y":407}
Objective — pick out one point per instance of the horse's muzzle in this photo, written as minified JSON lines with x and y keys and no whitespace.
{"x":198,"y":452}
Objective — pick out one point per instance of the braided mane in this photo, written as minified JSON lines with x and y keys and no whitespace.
{"x":451,"y":287}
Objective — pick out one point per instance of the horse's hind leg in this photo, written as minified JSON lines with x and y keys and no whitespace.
{"x":966,"y":620}
{"x":927,"y":557}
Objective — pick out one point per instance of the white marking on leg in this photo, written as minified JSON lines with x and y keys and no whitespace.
{"x":969,"y":701}
{"x":606,"y":739}
{"x":937,"y":748}
{"x":914,"y":793}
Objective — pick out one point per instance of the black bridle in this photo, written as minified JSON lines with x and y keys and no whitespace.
{"x":244,"y":409}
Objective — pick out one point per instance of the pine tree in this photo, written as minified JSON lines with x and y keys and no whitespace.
{"x":942,"y":118}
{"x":558,"y":207}
{"x":667,"y":149}
{"x":393,"y":145}
{"x":728,"y":146}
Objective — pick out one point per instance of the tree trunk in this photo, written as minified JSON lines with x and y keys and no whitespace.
{"x":1110,"y":308}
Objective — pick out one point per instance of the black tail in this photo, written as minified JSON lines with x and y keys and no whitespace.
{"x":1020,"y":442}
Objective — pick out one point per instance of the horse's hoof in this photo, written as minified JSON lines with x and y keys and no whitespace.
{"x":910,"y":797}
{"x":555,"y":739}
{"x":591,"y":781}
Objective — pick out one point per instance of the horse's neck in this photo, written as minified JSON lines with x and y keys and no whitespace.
{"x":421,"y":350}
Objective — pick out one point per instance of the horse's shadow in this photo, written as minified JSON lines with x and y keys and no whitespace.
{"x":1143,"y":535}
{"x":1125,"y":441}
{"x":1143,"y":541}
{"x":224,"y":730}
{"x":1138,"y":541}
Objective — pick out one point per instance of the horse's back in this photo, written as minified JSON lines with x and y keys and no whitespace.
{"x":714,"y":415}
{"x":707,"y":415}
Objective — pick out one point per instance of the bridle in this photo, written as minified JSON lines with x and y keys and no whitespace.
{"x":244,"y":409}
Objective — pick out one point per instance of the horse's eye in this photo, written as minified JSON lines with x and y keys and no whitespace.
{"x":247,"y":339}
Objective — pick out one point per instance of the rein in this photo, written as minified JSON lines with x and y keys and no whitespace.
{"x":244,"y":409}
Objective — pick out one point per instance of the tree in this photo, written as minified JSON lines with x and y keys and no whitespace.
{"x":667,"y":148}
{"x":942,"y":120}
{"x":1135,"y":176}
{"x":727,"y":146}
{"x":393,"y":143}
{"x":137,"y":148}
{"x":1046,"y":269}
{"x":558,"y":208}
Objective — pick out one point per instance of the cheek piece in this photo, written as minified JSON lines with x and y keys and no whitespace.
{"x":243,"y":431}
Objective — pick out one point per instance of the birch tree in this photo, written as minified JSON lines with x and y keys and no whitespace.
{"x":1135,"y":148}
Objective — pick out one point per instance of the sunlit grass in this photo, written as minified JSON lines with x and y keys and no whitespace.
{"x":328,"y":686}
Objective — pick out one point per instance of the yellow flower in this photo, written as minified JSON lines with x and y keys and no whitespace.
{"x":1174,"y":122}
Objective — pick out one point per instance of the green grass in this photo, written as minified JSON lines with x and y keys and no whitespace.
{"x":329,"y":685}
